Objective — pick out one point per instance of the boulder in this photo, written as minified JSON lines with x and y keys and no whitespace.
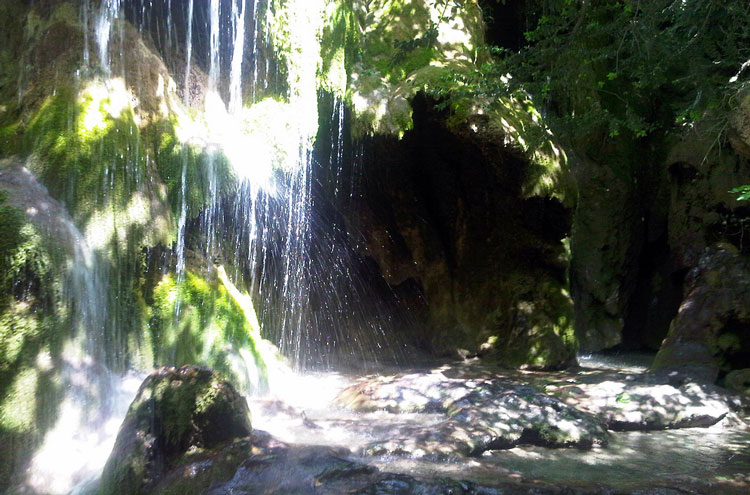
{"x":738,"y":380}
{"x":711,"y":332}
{"x":483,"y":413}
{"x":176,"y":410}
{"x":739,"y":124}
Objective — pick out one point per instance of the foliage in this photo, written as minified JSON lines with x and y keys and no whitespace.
{"x":612,"y":68}
{"x":743,"y":193}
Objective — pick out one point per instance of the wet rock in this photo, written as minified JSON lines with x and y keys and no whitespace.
{"x":281,"y":469}
{"x":739,"y":129}
{"x":711,"y":332}
{"x":275,"y":469}
{"x":649,"y":402}
{"x":738,"y":380}
{"x":176,"y":411}
{"x":481,"y":414}
{"x":394,"y":484}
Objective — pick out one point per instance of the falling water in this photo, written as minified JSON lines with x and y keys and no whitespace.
{"x":336,"y":157}
{"x":189,"y":52}
{"x":214,"y":105}
{"x":92,"y":399}
{"x":235,"y":84}
{"x":254,"y":50}
{"x":85,"y":23}
{"x":110,"y":10}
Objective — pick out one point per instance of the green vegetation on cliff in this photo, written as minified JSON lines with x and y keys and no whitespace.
{"x":31,"y":313}
{"x":208,"y":321}
{"x":612,"y":68}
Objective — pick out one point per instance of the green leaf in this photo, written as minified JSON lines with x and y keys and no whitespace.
{"x":623,"y":398}
{"x":743,"y":192}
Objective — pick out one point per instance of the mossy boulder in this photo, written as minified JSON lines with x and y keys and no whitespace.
{"x":176,"y":410}
{"x":203,"y":318}
{"x":711,"y":333}
{"x":738,"y":380}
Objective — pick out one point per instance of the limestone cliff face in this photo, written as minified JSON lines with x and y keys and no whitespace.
{"x":463,"y":215}
{"x":708,"y":232}
{"x":443,"y":213}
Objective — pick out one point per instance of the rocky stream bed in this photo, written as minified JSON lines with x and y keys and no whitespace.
{"x":459,"y":428}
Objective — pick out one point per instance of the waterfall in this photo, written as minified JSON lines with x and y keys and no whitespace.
{"x":92,"y":400}
{"x":238,"y":50}
{"x":110,"y":10}
{"x":183,"y":175}
{"x":189,"y":52}
{"x":85,"y":23}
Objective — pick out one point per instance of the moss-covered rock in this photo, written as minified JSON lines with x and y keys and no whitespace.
{"x":34,"y":316}
{"x":205,"y":319}
{"x":710,"y":334}
{"x":176,"y":410}
{"x":738,"y":380}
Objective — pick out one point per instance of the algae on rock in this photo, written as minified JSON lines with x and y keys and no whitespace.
{"x":208,"y":321}
{"x":177,"y":412}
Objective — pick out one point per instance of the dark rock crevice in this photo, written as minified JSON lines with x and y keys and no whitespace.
{"x":442,"y":213}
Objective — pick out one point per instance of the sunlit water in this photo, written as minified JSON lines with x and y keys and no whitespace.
{"x":626,"y":361}
{"x":75,"y":450}
{"x":305,"y":413}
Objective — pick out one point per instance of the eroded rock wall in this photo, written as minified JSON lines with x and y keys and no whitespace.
{"x":443,"y":213}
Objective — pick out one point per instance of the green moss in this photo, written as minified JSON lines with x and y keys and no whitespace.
{"x":10,"y":142}
{"x":210,"y":328}
{"x":542,"y":334}
{"x":33,"y":320}
{"x":18,"y":411}
{"x":11,"y":223}
{"x":339,"y":48}
{"x":215,"y":466}
{"x":172,"y":156}
{"x":30,"y":296}
{"x":183,"y":415}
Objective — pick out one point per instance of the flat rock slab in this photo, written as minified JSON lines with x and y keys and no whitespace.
{"x":629,"y":402}
{"x":488,"y":409}
{"x":482,"y":413}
